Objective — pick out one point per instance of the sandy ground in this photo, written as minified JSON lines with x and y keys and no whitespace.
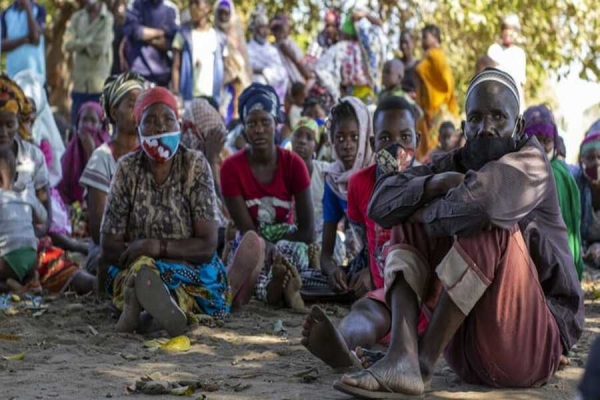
{"x":72,"y":352}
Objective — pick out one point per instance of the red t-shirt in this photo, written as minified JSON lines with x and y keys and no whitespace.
{"x":272,"y":203}
{"x":360,"y":189}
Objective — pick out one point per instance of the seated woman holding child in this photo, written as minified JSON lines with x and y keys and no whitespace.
{"x":159,"y":231}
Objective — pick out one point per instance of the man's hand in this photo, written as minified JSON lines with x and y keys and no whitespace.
{"x":361,"y":283}
{"x":338,"y":280}
{"x":213,"y":145}
{"x":440,"y":184}
{"x":160,"y":43}
{"x":144,"y":247}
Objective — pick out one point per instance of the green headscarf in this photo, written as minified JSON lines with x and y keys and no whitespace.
{"x":348,"y":24}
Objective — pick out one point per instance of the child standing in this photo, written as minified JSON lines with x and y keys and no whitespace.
{"x":18,"y":212}
{"x":391,"y":81}
{"x":448,"y":140}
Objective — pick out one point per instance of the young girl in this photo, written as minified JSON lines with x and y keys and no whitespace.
{"x":350,"y":130}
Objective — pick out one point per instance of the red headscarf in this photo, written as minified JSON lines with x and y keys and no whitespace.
{"x":74,"y":160}
{"x":156,"y":95}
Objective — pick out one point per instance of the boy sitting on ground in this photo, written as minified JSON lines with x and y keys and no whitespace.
{"x":369,"y":321}
{"x":18,"y":212}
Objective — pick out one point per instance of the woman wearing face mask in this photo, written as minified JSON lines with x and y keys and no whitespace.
{"x":91,"y":132}
{"x":587,"y":177}
{"x":539,"y":122}
{"x":159,"y":232}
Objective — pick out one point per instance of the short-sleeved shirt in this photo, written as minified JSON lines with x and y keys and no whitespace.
{"x":31,"y":165}
{"x":360,"y":188}
{"x":334,"y":207}
{"x":267,"y":203}
{"x":28,"y":56}
{"x":140,"y":208}
{"x":100,"y":169}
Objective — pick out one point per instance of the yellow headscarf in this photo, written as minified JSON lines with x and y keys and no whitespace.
{"x":13,"y":100}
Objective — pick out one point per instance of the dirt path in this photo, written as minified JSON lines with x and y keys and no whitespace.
{"x":244,"y":359}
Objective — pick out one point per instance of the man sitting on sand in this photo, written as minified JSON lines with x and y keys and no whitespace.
{"x":482,"y":222}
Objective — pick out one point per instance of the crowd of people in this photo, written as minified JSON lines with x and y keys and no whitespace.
{"x":204,"y":169}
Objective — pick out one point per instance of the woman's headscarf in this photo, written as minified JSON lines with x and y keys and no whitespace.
{"x":539,"y":121}
{"x":199,"y":121}
{"x":117,"y":87}
{"x":259,"y":97}
{"x":12,"y":98}
{"x":335,"y":174}
{"x":309,"y":123}
{"x":237,"y":65}
{"x":75,"y":158}
{"x":156,"y":95}
{"x":45,"y":133}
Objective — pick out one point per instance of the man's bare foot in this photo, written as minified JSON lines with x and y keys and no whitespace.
{"x":324,"y":341}
{"x":291,"y":288}
{"x":275,"y":288}
{"x":130,"y":317}
{"x":398,"y":375}
{"x":368,"y":357}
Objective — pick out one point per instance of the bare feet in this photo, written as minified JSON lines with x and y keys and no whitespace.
{"x":291,"y":288}
{"x":275,"y":288}
{"x":323,"y":340}
{"x":398,"y":375}
{"x":155,"y":298}
{"x":314,"y":256}
{"x":368,"y":357}
{"x":130,"y":317}
{"x":245,"y":268}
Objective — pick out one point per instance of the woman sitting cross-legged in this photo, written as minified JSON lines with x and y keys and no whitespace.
{"x":159,"y":231}
{"x":263,"y":186}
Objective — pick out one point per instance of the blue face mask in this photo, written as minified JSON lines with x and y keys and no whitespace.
{"x":161,"y":148}
{"x":320,"y":122}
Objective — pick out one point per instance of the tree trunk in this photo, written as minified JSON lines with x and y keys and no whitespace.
{"x":58,"y":62}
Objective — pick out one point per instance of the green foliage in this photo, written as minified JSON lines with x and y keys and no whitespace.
{"x":555,"y":33}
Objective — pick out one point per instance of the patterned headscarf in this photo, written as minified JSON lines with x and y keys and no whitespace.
{"x":258,"y":17}
{"x":200,"y":120}
{"x":306,"y":122}
{"x":591,"y":142}
{"x":117,"y":87}
{"x":13,"y":100}
{"x":259,"y":97}
{"x":156,"y":95}
{"x":335,"y":174}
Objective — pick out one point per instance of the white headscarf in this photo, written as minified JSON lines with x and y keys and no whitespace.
{"x":44,"y":127}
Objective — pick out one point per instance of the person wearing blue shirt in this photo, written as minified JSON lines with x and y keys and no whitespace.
{"x":150,"y":26}
{"x":23,"y":25}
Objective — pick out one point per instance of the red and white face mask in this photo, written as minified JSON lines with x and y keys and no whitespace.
{"x":161,"y":148}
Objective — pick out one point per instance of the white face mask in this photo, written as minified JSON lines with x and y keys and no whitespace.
{"x":550,"y":155}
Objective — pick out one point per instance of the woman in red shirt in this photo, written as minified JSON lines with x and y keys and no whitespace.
{"x":264,"y":186}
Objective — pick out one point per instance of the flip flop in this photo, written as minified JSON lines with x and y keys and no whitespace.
{"x":159,"y":303}
{"x":369,"y":394}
